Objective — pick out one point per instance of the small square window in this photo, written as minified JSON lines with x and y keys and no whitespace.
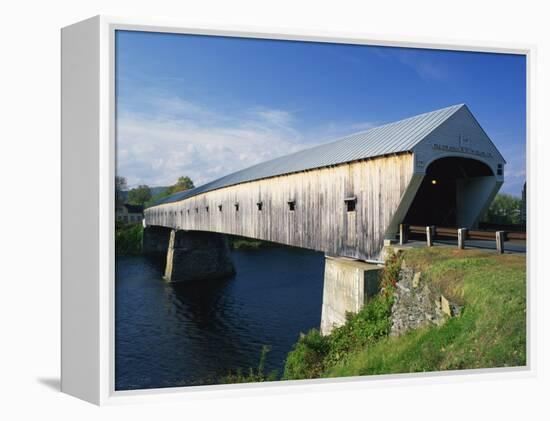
{"x":350,"y":203}
{"x":260,"y":205}
{"x":291,"y":205}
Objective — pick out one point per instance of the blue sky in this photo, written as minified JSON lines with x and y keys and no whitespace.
{"x":207,"y":106}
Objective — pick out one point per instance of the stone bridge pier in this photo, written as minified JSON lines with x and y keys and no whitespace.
{"x":190,"y":255}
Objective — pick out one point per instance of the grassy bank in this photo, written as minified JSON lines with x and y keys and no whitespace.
{"x":128,"y":238}
{"x":489,"y":332}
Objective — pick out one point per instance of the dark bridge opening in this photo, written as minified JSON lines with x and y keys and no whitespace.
{"x":443,"y":196}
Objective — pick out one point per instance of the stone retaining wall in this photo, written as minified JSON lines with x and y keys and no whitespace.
{"x":416,"y":305}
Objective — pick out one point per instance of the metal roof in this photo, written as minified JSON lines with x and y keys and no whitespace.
{"x":396,"y":137}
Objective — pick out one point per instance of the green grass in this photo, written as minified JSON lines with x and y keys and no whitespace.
{"x":252,"y":375}
{"x":489,"y":332}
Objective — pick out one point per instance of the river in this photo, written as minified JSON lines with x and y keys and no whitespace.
{"x":169,"y":335}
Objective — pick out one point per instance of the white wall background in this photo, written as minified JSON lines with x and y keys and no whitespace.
{"x":29,"y":238}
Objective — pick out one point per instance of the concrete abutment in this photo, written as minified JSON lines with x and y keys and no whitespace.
{"x":348,"y":284}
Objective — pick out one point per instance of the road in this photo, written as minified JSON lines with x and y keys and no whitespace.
{"x":517,"y":247}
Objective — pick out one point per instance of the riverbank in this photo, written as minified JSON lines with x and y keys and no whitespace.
{"x":128,"y":239}
{"x":244,"y":243}
{"x":489,"y":331}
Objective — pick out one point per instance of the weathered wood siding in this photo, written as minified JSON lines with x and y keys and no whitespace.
{"x":320,"y":220}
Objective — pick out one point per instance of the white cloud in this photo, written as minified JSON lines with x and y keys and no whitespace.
{"x":176,"y":137}
{"x":182,"y":138}
{"x":278,"y":118}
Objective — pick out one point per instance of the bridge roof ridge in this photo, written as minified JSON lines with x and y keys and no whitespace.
{"x":389,"y":138}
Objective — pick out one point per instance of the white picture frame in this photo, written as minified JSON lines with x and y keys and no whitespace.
{"x":88,"y":174}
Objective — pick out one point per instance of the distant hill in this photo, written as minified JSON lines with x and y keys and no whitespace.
{"x":154,"y":191}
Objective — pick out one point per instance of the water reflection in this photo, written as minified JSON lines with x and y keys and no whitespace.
{"x":184,"y":334}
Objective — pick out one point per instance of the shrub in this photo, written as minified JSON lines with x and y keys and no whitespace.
{"x":257,"y":375}
{"x":305,"y":361}
{"x":313,"y":353}
{"x":361,"y":329}
{"x":390,"y":274}
{"x":128,"y":238}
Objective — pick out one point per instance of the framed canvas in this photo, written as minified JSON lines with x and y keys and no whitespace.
{"x":248,"y":211}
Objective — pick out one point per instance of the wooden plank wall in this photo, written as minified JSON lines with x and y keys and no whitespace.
{"x":320,"y":220}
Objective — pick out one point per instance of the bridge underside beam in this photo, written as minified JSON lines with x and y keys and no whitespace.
{"x":156,"y":240}
{"x":347,"y":286}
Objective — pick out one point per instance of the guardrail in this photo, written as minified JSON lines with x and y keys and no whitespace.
{"x":461,"y":234}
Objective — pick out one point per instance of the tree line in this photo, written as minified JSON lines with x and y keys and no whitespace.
{"x":505,"y":210}
{"x":143,"y":194}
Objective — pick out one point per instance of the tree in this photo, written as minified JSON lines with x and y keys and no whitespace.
{"x":505,"y":210}
{"x":139,"y":195}
{"x":120,"y":188}
{"x":183,"y":183}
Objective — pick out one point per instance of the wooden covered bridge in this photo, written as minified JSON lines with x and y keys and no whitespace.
{"x":345,"y":197}
{"x":342,"y":198}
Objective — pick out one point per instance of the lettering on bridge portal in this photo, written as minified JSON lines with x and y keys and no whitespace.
{"x":462,"y":149}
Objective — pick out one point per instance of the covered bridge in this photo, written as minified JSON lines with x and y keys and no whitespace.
{"x":345,"y":197}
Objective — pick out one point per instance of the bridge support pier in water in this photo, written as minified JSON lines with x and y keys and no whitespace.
{"x":197,"y":255}
{"x":190,"y":255}
{"x":347,"y":286}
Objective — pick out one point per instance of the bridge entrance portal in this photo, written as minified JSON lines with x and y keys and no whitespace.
{"x":453,"y":193}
